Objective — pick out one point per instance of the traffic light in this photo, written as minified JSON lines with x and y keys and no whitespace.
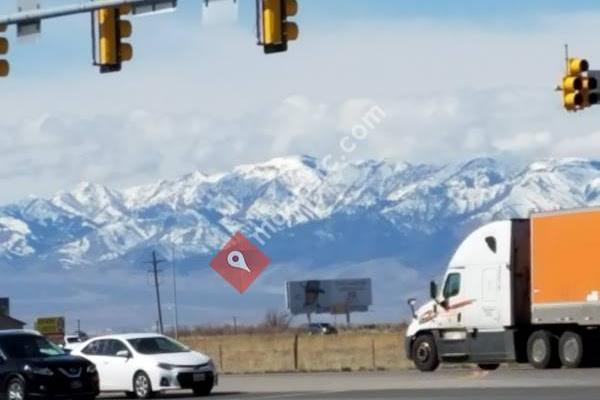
{"x":578,"y":86}
{"x":276,"y":30}
{"x":112,"y":29}
{"x":4,"y":65}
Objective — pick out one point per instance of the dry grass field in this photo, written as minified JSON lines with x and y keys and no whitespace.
{"x":284,"y":352}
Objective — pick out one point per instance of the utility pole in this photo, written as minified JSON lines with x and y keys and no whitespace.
{"x":156,"y":271}
{"x":175,"y":292}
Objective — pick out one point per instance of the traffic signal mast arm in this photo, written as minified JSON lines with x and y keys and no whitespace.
{"x":274,"y":29}
{"x":56,"y":12}
{"x":111,"y":29}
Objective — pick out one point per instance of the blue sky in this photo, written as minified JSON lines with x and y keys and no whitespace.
{"x":443,"y":9}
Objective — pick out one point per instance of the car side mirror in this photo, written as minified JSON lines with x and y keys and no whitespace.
{"x":124,"y":354}
{"x":412,"y":303}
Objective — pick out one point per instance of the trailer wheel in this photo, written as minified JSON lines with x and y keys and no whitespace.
{"x":425,"y":354}
{"x":542,"y":350}
{"x":570,"y":350}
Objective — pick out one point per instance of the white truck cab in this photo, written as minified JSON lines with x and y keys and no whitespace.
{"x":469,"y":319}
{"x":525,"y":290}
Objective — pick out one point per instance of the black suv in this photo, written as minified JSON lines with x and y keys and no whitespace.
{"x":32,"y":366}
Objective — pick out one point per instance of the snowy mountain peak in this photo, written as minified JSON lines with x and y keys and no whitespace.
{"x":292,"y":197}
{"x":277,"y":167}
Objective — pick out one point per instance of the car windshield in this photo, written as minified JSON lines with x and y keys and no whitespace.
{"x":157,"y":345}
{"x":29,"y":346}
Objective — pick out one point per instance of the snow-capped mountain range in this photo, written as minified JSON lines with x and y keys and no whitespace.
{"x":360,"y":211}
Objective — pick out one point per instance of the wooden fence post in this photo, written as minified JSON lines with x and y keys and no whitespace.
{"x":373,"y":353}
{"x":296,"y":353}
{"x":221,"y":358}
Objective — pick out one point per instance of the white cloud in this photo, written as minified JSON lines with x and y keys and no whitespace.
{"x":578,"y":145}
{"x":449,"y":91}
{"x":525,"y":141}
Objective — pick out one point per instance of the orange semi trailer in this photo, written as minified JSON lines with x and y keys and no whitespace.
{"x":565,"y":272}
{"x":524,"y":290}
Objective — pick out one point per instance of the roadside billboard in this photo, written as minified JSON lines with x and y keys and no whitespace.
{"x":50,"y":326}
{"x":339,"y":296}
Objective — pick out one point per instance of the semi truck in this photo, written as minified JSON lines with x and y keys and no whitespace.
{"x":522,"y":290}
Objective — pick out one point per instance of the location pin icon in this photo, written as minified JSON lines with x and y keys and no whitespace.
{"x":236,"y":259}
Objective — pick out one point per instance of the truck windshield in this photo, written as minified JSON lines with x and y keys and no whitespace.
{"x":29,"y":346}
{"x":452,"y":286}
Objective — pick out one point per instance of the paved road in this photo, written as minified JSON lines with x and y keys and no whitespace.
{"x":505,"y":384}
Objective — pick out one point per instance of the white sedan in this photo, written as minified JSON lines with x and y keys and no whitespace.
{"x":142,"y":364}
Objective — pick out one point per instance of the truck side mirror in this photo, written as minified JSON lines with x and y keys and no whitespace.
{"x":433,"y":290}
{"x":411,"y":304}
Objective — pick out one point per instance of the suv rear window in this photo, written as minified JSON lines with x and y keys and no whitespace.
{"x":29,"y":346}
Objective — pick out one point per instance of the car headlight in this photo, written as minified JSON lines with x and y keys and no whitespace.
{"x":38,"y":370}
{"x":91,"y":369}
{"x":166,"y":366}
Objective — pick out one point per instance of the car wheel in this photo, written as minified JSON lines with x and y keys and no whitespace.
{"x":203,"y":390}
{"x":15,"y":390}
{"x":425,"y":354}
{"x":142,"y":387}
{"x":542,"y":350}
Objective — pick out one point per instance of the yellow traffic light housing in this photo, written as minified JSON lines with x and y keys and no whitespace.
{"x":276,"y":30}
{"x":4,"y":46}
{"x":112,"y":29}
{"x":578,"y":87}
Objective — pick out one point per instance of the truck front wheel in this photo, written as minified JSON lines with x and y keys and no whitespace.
{"x":424,"y":354}
{"x":541,"y":350}
{"x":570,"y":350}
